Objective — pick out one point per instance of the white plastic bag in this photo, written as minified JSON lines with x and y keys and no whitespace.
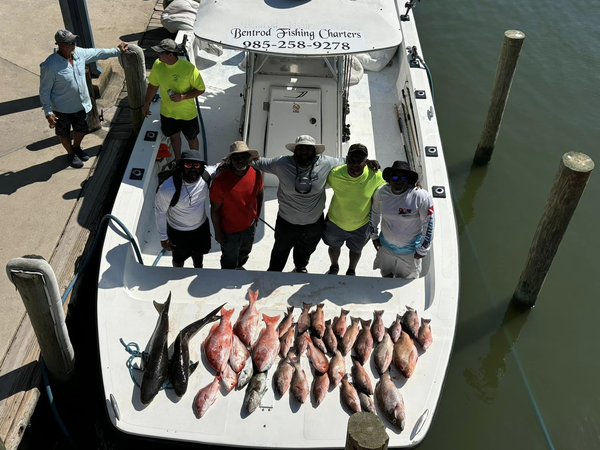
{"x":375,"y":61}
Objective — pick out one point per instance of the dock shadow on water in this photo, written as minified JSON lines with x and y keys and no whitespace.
{"x":486,"y":378}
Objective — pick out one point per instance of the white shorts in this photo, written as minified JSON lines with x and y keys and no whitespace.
{"x":402,"y":266}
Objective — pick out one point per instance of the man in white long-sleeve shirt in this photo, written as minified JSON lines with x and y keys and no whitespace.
{"x":406,"y":214}
{"x":180,"y":212}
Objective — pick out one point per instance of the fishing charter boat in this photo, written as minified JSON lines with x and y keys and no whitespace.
{"x":287,"y":68}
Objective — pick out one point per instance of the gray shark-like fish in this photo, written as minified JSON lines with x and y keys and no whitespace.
{"x":181,"y":370}
{"x":155,"y":366}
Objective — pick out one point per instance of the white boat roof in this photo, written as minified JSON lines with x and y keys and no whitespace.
{"x":309,"y":27}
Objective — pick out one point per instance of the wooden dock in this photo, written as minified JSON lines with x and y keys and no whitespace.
{"x":20,"y":370}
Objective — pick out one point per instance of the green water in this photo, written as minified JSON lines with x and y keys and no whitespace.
{"x":523,"y":381}
{"x":513,"y":375}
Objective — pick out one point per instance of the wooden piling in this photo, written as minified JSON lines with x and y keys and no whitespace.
{"x":35,"y":280}
{"x":366,"y":431}
{"x":507,"y":63}
{"x":134,"y":65}
{"x":93,"y":118}
{"x":573,"y":174}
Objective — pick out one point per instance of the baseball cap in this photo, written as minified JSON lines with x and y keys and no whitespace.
{"x":358,"y":148}
{"x":166,"y":45}
{"x":65,"y":37}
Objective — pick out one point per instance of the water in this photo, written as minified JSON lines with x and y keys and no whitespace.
{"x":515,"y":380}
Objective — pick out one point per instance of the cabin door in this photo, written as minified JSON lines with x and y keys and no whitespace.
{"x":292,"y":111}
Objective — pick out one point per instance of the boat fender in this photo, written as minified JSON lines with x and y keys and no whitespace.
{"x":115,"y":407}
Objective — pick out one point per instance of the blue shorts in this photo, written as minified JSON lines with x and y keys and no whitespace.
{"x":356,"y":240}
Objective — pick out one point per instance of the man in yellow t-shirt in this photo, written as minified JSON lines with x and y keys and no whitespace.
{"x":347,"y":221}
{"x":180,"y":84}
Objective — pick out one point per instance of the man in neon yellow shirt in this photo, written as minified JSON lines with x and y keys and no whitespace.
{"x":180,"y":84}
{"x":353,"y":186}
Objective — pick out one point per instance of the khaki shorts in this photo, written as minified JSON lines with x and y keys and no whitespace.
{"x":402,"y":266}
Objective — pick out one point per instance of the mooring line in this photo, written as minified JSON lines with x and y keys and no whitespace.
{"x":513,"y":349}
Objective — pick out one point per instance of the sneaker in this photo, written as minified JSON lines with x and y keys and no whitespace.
{"x":351,"y":272}
{"x":300,"y":270}
{"x":74,"y":161}
{"x":81,"y":154}
{"x":333,"y":269}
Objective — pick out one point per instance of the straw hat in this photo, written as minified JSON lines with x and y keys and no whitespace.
{"x":240,"y":147}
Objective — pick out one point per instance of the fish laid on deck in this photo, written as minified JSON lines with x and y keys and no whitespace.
{"x":349,"y":395}
{"x":337,"y":368}
{"x":390,"y":401}
{"x":396,"y":328}
{"x":246,"y":324}
{"x":286,"y":341}
{"x":282,"y":378}
{"x":287,"y":322}
{"x":304,"y":320}
{"x":239,"y":354}
{"x":340,"y":324}
{"x":206,"y":397}
{"x":383,"y":353}
{"x":425,"y":337}
{"x":180,"y":362}
{"x":267,"y":346}
{"x":317,"y":320}
{"x":360,"y":377}
{"x":364,"y":342}
{"x":405,"y":355}
{"x":350,"y":336}
{"x":329,"y":338}
{"x":299,"y":387}
{"x":410,"y":322}
{"x":217,"y":345}
{"x":255,"y":392}
{"x":320,"y":387}
{"x":156,"y":366}
{"x":378,"y":328}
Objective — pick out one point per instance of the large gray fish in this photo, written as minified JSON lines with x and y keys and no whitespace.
{"x":360,"y":378}
{"x":284,"y":373}
{"x":255,"y":392}
{"x":425,"y":337}
{"x":390,"y":401}
{"x":287,"y":322}
{"x":366,"y":403}
{"x":340,"y":325}
{"x":405,"y":355}
{"x":337,"y":368}
{"x":349,"y":338}
{"x":299,"y":387}
{"x":304,"y":320}
{"x":364,"y":342}
{"x":329,"y":338}
{"x":410,"y":322}
{"x":181,"y":370}
{"x":246,"y":373}
{"x":286,"y":341}
{"x":378,"y":328}
{"x":320,"y":387}
{"x":382,"y":355}
{"x":156,"y":365}
{"x":349,"y":396}
{"x":317,"y":320}
{"x":396,"y":328}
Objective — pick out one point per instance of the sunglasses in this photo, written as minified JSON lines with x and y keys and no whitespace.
{"x":398,"y":178}
{"x":189,"y":165}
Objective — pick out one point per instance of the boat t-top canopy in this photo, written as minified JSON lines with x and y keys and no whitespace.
{"x":300,"y":27}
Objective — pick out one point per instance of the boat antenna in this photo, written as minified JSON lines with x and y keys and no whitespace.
{"x":408,"y":5}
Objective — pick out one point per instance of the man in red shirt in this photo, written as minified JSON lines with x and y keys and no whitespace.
{"x":236,"y":198}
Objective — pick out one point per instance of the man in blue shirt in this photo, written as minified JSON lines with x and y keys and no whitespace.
{"x":64,"y":94}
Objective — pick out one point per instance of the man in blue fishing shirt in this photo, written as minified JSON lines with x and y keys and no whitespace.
{"x":63,"y":91}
